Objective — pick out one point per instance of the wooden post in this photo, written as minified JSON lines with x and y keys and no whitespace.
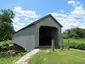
{"x":52,"y":45}
{"x":68,"y":45}
{"x":62,"y":45}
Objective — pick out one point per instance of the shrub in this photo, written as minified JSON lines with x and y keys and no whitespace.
{"x":8,"y":45}
{"x":3,"y":54}
{"x":74,"y":45}
{"x":4,"y":45}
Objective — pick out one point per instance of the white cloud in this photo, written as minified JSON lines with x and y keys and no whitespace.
{"x":58,"y":14}
{"x":75,"y":18}
{"x":69,"y":21}
{"x":30,"y":21}
{"x":16,"y":19}
{"x":62,"y":11}
{"x":21,"y":16}
{"x":74,"y":3}
{"x":71,"y":2}
{"x":78,"y":11}
{"x":28,"y":13}
{"x":26,"y":19}
{"x":18,"y":25}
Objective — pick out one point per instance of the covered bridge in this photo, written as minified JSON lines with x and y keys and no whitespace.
{"x":39,"y":33}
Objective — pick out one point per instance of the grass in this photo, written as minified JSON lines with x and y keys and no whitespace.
{"x":74,"y":43}
{"x":5,"y":42}
{"x":8,"y":59}
{"x":11,"y":59}
{"x":59,"y":57}
{"x":74,"y":40}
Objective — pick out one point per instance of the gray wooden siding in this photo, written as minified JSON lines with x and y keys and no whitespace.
{"x":29,"y":37}
{"x":25,"y":38}
{"x":47,"y":22}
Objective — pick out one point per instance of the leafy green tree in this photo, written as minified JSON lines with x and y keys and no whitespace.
{"x":6,"y":27}
{"x":83,"y":33}
{"x":74,"y":33}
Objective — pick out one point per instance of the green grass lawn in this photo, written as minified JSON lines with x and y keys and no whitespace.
{"x":74,"y":43}
{"x":74,"y":40}
{"x":59,"y":57}
{"x":11,"y":59}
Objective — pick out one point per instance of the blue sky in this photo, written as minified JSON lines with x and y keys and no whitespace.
{"x":70,"y":13}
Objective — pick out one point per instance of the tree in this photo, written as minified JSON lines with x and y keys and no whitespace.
{"x":6,"y":27}
{"x":74,"y":33}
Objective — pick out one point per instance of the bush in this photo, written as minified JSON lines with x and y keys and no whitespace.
{"x":8,"y":45}
{"x":4,"y":45}
{"x":74,"y":45}
{"x":3,"y":54}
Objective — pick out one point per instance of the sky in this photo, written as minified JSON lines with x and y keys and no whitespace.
{"x":69,"y":13}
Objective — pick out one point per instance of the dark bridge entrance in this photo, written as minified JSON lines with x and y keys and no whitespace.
{"x":46,"y":34}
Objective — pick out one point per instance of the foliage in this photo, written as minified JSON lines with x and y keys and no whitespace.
{"x":58,"y":57}
{"x":9,"y":56}
{"x":6,"y":27}
{"x":4,"y":45}
{"x":74,"y":33}
{"x":8,"y":45}
{"x":8,"y":13}
{"x":75,"y":43}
